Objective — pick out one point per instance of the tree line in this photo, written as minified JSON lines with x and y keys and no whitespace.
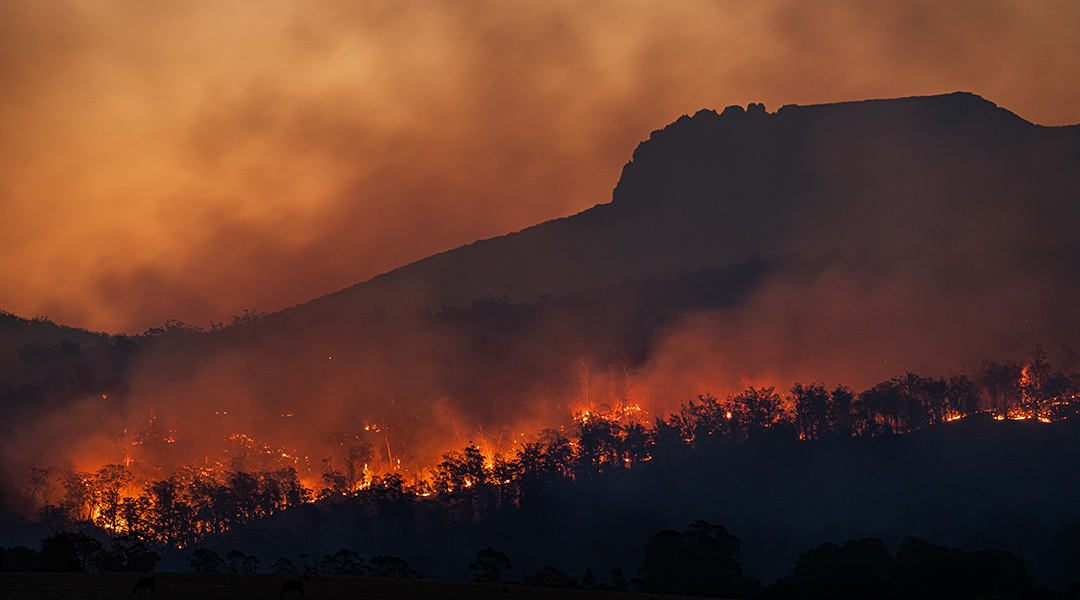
{"x":703,"y":561}
{"x":66,"y":552}
{"x":193,"y":504}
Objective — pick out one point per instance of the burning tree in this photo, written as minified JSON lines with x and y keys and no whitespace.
{"x":192,"y":503}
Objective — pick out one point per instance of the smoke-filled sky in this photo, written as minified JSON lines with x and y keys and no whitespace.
{"x":189,"y":160}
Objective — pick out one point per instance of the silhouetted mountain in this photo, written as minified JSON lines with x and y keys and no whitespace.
{"x":713,"y":189}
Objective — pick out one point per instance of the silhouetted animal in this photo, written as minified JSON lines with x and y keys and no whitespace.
{"x":144,"y":583}
{"x":288,"y":587}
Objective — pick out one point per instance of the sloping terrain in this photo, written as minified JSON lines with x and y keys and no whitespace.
{"x":713,"y":189}
{"x":950,"y":483}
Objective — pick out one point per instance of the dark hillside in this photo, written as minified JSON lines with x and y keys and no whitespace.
{"x":713,"y":189}
{"x":947,"y":483}
{"x":421,"y":376}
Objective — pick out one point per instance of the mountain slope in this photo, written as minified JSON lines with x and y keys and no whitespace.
{"x":712,"y":189}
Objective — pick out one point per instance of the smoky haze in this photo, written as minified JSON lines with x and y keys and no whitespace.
{"x":942,"y":226}
{"x":182,"y":160}
{"x":916,"y":234}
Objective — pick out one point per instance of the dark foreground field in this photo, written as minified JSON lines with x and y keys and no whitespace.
{"x":75,"y":586}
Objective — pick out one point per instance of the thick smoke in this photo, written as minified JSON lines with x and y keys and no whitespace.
{"x":190,"y":160}
{"x":928,"y":252}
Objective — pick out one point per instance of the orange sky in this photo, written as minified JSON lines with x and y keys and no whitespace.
{"x":189,"y":160}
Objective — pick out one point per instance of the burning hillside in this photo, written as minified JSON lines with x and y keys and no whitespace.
{"x":744,"y":253}
{"x":176,"y":478}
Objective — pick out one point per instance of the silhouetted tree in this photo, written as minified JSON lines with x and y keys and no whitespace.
{"x":334,"y":481}
{"x":707,"y":423}
{"x":343,"y":562}
{"x":242,"y":498}
{"x":599,"y":445}
{"x":389,"y":498}
{"x":283,"y":566}
{"x":20,"y":559}
{"x":461,"y":470}
{"x":756,"y":410}
{"x":392,"y":566}
{"x":490,"y":566}
{"x":670,"y":443}
{"x":311,"y":562}
{"x":70,"y":552}
{"x":936,"y":403}
{"x":702,"y":561}
{"x":130,"y":554}
{"x":842,"y":413}
{"x":900,"y":403}
{"x":282,"y":489}
{"x":811,"y":410}
{"x":857,"y":570}
{"x":234,"y":559}
{"x":204,"y":560}
{"x":618,"y":579}
{"x":549,"y":576}
{"x":171,"y":517}
{"x":78,"y":499}
{"x":502,"y":480}
{"x":541,"y":465}
{"x":105,"y":487}
{"x":926,"y":570}
{"x":964,"y":398}
{"x":636,"y":444}
{"x":136,"y":515}
{"x":1002,"y":383}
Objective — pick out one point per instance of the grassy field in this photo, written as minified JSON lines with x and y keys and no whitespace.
{"x":77,"y":586}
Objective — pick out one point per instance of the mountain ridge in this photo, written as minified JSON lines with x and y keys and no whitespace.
{"x":654,"y":224}
{"x":643,"y":231}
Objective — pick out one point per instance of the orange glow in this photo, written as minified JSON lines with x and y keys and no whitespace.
{"x":294,"y":133}
{"x":194,"y":161}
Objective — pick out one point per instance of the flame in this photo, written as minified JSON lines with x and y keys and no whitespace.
{"x":140,"y":451}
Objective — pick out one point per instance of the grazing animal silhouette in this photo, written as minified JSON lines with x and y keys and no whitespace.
{"x":288,"y":587}
{"x":144,"y":583}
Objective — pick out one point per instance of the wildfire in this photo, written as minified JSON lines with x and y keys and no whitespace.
{"x":375,"y":460}
{"x":623,"y":414}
